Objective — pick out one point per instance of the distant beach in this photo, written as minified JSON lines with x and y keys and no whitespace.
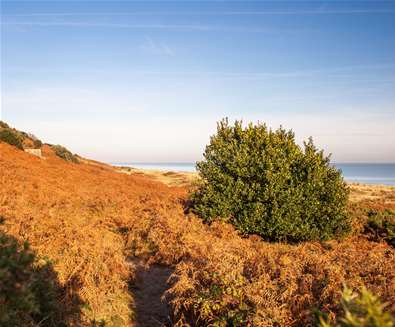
{"x":365,"y":173}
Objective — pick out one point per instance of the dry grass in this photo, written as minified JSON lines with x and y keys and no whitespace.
{"x":170,"y":178}
{"x":88,"y":218}
{"x":222,"y":277}
{"x":71,"y":213}
{"x":360,"y":192}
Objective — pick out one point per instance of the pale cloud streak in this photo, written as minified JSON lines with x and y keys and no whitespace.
{"x":214,"y":13}
{"x":340,"y":72}
{"x":168,"y":27}
{"x":156,"y":48}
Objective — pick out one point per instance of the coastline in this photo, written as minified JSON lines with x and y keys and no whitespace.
{"x":359,"y":191}
{"x":359,"y":173}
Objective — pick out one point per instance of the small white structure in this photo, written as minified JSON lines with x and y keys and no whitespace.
{"x":34,"y":152}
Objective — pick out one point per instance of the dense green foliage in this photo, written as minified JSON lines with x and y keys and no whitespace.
{"x":65,"y":154}
{"x":261,"y":181}
{"x":10,"y":137}
{"x":28,"y":293}
{"x":361,"y":310}
{"x":381,"y":226}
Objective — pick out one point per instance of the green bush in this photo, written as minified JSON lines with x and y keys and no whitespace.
{"x":261,"y":181}
{"x":37,"y":144}
{"x":28,"y":293}
{"x":380,"y":226}
{"x":3,"y":124}
{"x":10,"y":137}
{"x":361,"y":310}
{"x":65,"y":154}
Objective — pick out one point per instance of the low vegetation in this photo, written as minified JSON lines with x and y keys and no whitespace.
{"x":89,"y":221}
{"x":360,"y":310}
{"x":380,"y":226}
{"x":10,"y":137}
{"x":37,"y":144}
{"x":19,"y":139}
{"x":29,"y":293}
{"x":263,"y":183}
{"x":239,"y":282}
{"x":3,"y":124}
{"x":65,"y":154}
{"x":22,"y":140}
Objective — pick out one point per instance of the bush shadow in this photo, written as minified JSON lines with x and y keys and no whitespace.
{"x":30,"y":291}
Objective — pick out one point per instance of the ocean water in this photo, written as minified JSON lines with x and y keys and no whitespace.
{"x":380,"y":173}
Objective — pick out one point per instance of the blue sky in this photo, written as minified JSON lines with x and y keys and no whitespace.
{"x":147,"y":81}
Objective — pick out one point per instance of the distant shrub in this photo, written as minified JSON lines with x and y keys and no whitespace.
{"x":65,"y":154}
{"x":3,"y":124}
{"x":262,"y":182}
{"x":380,"y":226}
{"x":28,"y":294}
{"x":11,"y":137}
{"x":361,"y":310}
{"x":37,"y":144}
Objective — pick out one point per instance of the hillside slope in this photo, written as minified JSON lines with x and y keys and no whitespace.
{"x":72,"y":213}
{"x":90,"y":221}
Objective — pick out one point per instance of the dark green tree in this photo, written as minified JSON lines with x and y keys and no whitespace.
{"x":262,"y":182}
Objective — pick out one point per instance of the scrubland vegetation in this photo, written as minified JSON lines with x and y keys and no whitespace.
{"x":262,"y":182}
{"x":10,"y":137}
{"x":86,"y":223}
{"x":23,"y":140}
{"x":65,"y":154}
{"x":363,"y":309}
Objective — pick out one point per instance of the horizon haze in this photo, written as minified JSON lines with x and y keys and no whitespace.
{"x":134,"y":81}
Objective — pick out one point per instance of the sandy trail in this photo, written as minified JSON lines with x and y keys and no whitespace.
{"x":147,"y":289}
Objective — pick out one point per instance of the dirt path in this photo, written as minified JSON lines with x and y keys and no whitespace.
{"x":149,"y":286}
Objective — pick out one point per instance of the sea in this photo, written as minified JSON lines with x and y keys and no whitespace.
{"x":366,"y":173}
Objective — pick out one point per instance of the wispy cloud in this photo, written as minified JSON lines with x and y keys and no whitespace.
{"x":321,"y":11}
{"x":114,"y":25}
{"x":313,"y":12}
{"x":169,"y":27}
{"x":342,"y":72}
{"x":330,"y":72}
{"x":156,"y":48}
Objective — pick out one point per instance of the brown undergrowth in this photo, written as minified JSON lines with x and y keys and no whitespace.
{"x":71,"y":213}
{"x":88,"y":219}
{"x":222,"y":279}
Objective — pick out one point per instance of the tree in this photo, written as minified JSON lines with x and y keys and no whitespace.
{"x":262,"y":182}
